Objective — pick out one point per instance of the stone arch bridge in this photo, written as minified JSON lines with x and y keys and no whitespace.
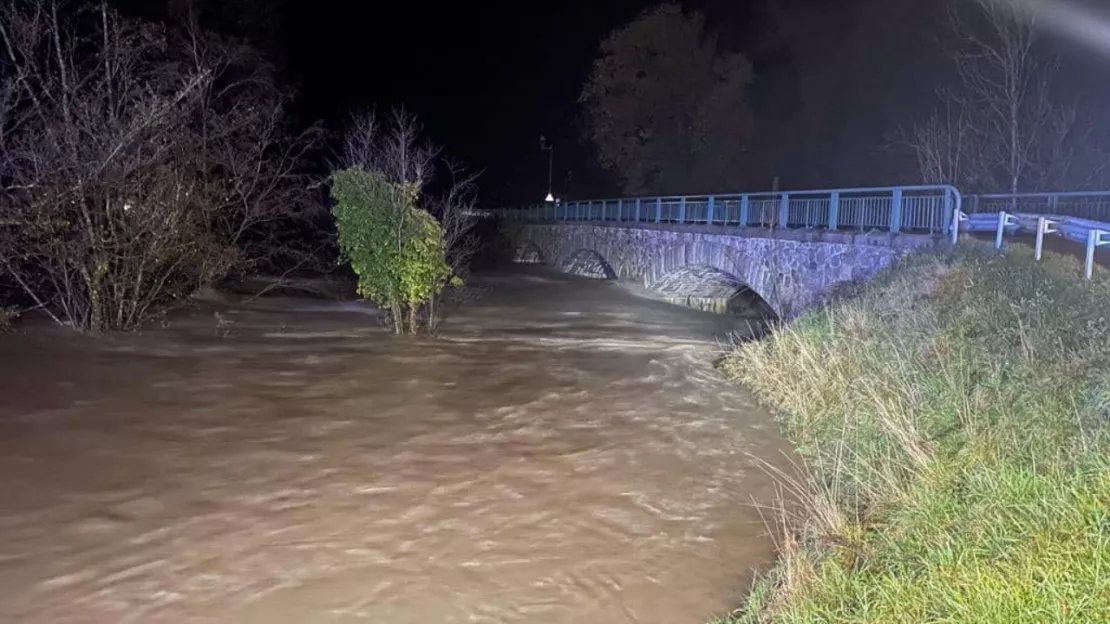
{"x":706,"y":266}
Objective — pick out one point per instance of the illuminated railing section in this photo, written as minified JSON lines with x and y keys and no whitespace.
{"x":1082,"y":217}
{"x":920,"y":209}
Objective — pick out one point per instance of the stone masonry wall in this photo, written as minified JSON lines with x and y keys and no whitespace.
{"x":791,"y":270}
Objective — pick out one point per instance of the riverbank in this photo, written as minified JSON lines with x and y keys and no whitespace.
{"x":954,"y":420}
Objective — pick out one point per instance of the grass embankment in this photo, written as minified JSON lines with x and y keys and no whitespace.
{"x":954,"y":420}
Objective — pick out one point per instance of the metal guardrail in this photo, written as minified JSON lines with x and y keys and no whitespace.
{"x":1091,"y":233}
{"x":891,"y":208}
{"x":1093,"y":205}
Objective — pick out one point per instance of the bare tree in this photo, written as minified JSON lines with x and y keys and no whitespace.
{"x":133,"y":172}
{"x":1000,"y":127}
{"x":395,"y":147}
{"x":946,"y":145}
{"x":455,"y":207}
{"x":254,"y":158}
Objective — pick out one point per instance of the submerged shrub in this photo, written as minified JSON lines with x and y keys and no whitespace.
{"x":394,"y":246}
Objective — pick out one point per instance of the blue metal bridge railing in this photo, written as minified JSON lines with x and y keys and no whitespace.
{"x":1082,"y":217}
{"x":892,"y":208}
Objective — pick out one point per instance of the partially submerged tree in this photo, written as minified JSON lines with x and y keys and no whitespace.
{"x":405,"y":218}
{"x":394,"y":247}
{"x":135,"y":168}
{"x":666,"y":108}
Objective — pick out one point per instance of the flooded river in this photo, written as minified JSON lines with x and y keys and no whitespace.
{"x":564,"y":453}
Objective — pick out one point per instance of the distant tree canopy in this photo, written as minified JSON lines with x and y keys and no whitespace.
{"x":666,"y":109}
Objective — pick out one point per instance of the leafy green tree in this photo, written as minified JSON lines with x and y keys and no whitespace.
{"x":665,"y":108}
{"x":395,"y":247}
{"x":440,"y":226}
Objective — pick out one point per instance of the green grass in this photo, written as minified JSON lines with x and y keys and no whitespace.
{"x":953,"y":420}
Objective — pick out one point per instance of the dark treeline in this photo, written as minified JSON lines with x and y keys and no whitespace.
{"x":855,"y":92}
{"x":145,"y":157}
{"x":972,"y":92}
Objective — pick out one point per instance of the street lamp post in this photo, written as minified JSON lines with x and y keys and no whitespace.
{"x":550,"y":149}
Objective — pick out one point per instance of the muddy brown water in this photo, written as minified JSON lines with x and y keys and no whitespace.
{"x":564,"y":453}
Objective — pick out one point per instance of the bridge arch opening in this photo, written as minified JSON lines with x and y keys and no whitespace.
{"x":589,"y":263}
{"x":710,"y":289}
{"x":528,"y":253}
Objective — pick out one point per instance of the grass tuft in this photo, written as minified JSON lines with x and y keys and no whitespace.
{"x":954,"y":420}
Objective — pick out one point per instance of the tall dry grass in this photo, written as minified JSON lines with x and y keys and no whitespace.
{"x":953,"y":418}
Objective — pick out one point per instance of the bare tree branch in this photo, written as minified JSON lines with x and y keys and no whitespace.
{"x":135,"y":168}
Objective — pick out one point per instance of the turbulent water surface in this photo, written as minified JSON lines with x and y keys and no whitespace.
{"x":564,"y":453}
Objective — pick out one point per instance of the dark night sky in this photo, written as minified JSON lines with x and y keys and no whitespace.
{"x":488,"y":78}
{"x":485,"y":78}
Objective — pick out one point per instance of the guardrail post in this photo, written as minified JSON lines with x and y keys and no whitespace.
{"x":1094,"y":241}
{"x":947,"y":218}
{"x":957,"y":216}
{"x":834,"y":210}
{"x":1003,"y":221}
{"x":784,"y":210}
{"x":745,"y":208}
{"x":896,"y":210}
{"x":620,"y":210}
{"x":709,"y":211}
{"x":682,"y":210}
{"x":1044,"y":226}
{"x":658,"y":210}
{"x":637,"y":219}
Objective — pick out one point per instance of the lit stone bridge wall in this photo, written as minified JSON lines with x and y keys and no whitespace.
{"x":705,"y":266}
